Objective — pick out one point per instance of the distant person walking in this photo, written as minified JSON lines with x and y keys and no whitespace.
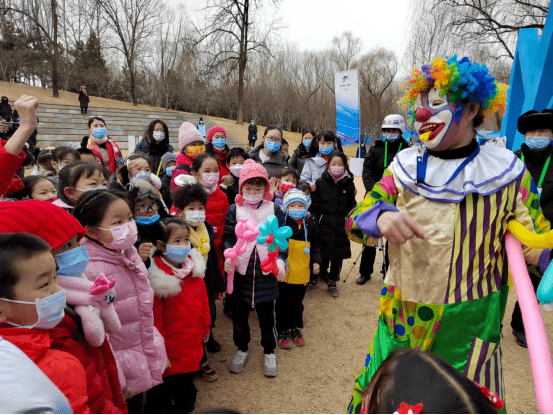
{"x":252,"y":134}
{"x":83,"y":100}
{"x":201,"y":127}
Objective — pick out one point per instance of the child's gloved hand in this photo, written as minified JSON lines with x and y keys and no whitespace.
{"x":228,"y":266}
{"x":316,"y":269}
{"x":399,"y":227}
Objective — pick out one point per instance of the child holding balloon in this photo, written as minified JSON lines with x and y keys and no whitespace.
{"x":252,"y":287}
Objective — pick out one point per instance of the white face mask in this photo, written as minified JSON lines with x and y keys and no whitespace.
{"x":195,"y":217}
{"x":158,"y":135}
{"x":236,"y":169}
{"x":50,"y":311}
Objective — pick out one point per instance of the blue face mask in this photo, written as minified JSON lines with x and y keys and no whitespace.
{"x":147,"y":220}
{"x":169,"y":171}
{"x":73,"y":262}
{"x":297,"y":214}
{"x":219,"y":143}
{"x":178,"y":253}
{"x":391,"y":137}
{"x":99,"y":132}
{"x":143,"y":175}
{"x":272,"y":147}
{"x":306,"y":143}
{"x":537,"y":143}
{"x":326,"y":150}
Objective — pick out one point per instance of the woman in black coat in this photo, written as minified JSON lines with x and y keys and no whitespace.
{"x":332,"y":201}
{"x":155,"y":144}
{"x":83,"y":100}
{"x":298,"y":158}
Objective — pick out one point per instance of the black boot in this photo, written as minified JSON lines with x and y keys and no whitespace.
{"x":362,"y":280}
{"x":212,"y":345}
{"x":520,"y":337}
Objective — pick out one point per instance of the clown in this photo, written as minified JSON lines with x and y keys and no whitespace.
{"x":444,"y":209}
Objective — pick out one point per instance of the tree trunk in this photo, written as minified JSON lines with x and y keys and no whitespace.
{"x":56,"y":93}
{"x":243,"y":62}
{"x":131,"y":77}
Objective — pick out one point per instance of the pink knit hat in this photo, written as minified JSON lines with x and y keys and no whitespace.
{"x":188,"y":134}
{"x":214,"y":130}
{"x":250,"y":170}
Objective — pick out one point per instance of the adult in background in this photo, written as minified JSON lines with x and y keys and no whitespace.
{"x":317,"y":157}
{"x":155,"y":144}
{"x":83,"y":100}
{"x":379,"y":158}
{"x":99,"y":141}
{"x":535,"y":153}
{"x":297,"y":161}
{"x":201,"y":127}
{"x":252,"y":134}
{"x":5,"y":109}
{"x":268,"y":153}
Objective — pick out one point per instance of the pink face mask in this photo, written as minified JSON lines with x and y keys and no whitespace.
{"x":336,"y":171}
{"x":253,"y":199}
{"x":124,"y":235}
{"x":210,"y":180}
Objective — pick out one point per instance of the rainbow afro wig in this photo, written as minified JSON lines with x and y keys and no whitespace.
{"x":461,"y":80}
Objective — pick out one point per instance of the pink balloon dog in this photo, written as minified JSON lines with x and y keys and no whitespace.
{"x":246,"y":231}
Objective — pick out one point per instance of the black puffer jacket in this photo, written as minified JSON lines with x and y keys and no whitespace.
{"x":331,"y":203}
{"x":254,"y":286}
{"x":535,"y":161}
{"x":154,"y":150}
{"x":373,"y":166}
{"x":214,"y":281}
{"x":6,"y":109}
{"x":297,"y":161}
{"x":230,"y":187}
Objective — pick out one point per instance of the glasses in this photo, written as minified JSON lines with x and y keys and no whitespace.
{"x":146,"y":209}
{"x":273,"y":139}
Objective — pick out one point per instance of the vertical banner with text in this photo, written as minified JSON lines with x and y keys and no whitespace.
{"x":347,"y":106}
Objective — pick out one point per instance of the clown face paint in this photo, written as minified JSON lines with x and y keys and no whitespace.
{"x":435,"y":114}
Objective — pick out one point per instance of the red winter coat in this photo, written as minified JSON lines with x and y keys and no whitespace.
{"x":216,"y":212}
{"x":181,"y":313}
{"x":222,"y":158}
{"x":102,"y":379}
{"x":63,"y":369}
{"x":9,"y":165}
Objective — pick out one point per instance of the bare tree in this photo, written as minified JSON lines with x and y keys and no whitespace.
{"x":344,"y":50}
{"x":231,"y":34}
{"x":133,"y":22}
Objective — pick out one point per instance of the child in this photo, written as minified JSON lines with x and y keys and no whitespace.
{"x":43,"y":165}
{"x":62,"y":156}
{"x":136,"y":166}
{"x":31,"y":302}
{"x":284,"y":150}
{"x":286,"y":180}
{"x":304,"y":256}
{"x":424,"y":383}
{"x":235,"y":161}
{"x":205,"y":169}
{"x":76,"y":179}
{"x":39,"y":188}
{"x":90,"y":156}
{"x":181,"y":314}
{"x":168,"y":165}
{"x":333,"y":199}
{"x":138,"y":347}
{"x":217,"y":146}
{"x":191,"y":144}
{"x":63,"y":233}
{"x":252,"y":288}
{"x":190,"y":203}
{"x":316,"y":159}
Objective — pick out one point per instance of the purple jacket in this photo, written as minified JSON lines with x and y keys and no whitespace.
{"x":138,"y":348}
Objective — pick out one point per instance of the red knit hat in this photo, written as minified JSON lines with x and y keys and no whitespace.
{"x":214,"y":130}
{"x":250,"y":170}
{"x":40,"y":218}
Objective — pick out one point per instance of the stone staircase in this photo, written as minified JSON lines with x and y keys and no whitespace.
{"x":63,"y":124}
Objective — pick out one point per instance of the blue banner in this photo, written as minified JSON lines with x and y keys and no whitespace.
{"x":347,"y":106}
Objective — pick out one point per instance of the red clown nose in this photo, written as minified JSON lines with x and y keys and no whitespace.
{"x":422,"y":115}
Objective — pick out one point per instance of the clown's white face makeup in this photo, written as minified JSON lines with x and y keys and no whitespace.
{"x":435,"y":114}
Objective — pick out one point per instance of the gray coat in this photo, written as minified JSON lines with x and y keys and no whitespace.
{"x":313,"y":168}
{"x":274,"y":165}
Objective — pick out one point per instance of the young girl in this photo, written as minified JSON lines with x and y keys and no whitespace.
{"x":217,"y":146}
{"x":168,"y":166}
{"x":205,"y":169}
{"x":297,"y":161}
{"x":63,"y":233}
{"x":76,"y":179}
{"x":286,"y":180}
{"x":99,"y":141}
{"x":191,"y":144}
{"x":138,"y":347}
{"x":63,"y":156}
{"x":190,"y":203}
{"x":39,"y":188}
{"x":333,"y":199}
{"x":136,"y":166}
{"x":316,"y":159}
{"x":181,"y":314}
{"x":43,"y":164}
{"x":412,"y":381}
{"x":304,"y":257}
{"x":253,"y":288}
{"x":235,"y":161}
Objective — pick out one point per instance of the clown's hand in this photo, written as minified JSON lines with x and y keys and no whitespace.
{"x":399,"y":227}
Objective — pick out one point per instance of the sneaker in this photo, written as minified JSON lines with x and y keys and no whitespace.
{"x":207,"y":374}
{"x":333,"y":290}
{"x":212,"y":345}
{"x":238,"y":362}
{"x":270,"y":367}
{"x":284,"y":340}
{"x":298,"y":337}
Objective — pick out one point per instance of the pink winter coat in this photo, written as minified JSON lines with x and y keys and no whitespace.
{"x":138,"y":347}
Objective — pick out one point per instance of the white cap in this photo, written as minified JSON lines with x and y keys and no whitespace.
{"x":394,"y":121}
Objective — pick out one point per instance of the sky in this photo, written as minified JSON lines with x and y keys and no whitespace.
{"x":312,"y":24}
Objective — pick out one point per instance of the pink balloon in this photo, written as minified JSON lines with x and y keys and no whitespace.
{"x":246,"y":231}
{"x":538,"y":345}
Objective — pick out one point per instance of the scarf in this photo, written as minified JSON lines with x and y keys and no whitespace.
{"x":115,"y":157}
{"x":186,"y":268}
{"x":199,"y":239}
{"x":184,"y":159}
{"x":221,"y":155}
